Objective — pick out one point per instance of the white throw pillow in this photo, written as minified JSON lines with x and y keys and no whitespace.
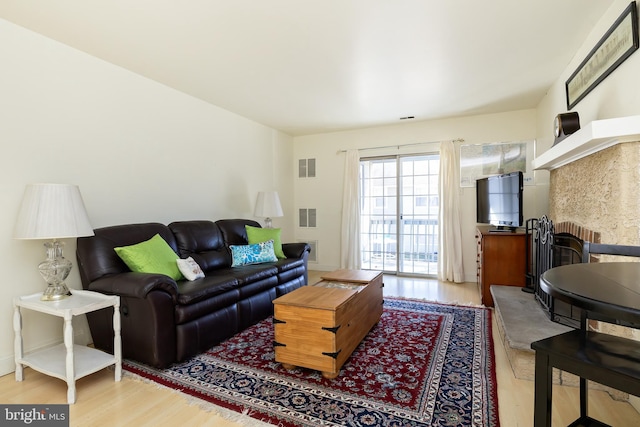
{"x":190,"y":269}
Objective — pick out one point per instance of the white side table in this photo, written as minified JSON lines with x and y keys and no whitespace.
{"x":67,"y":361}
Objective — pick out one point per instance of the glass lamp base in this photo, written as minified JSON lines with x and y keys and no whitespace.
{"x":55,"y":292}
{"x":54,"y":270}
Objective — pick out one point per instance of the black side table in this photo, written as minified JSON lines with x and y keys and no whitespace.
{"x":605,"y":291}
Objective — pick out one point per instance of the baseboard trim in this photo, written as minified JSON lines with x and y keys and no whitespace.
{"x":7,"y":365}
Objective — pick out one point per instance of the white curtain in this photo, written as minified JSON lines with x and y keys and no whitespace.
{"x":449,"y":229}
{"x":350,"y":247}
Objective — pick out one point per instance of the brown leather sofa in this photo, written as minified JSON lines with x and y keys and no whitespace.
{"x":164,"y":321}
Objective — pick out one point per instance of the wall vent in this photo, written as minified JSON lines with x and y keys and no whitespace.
{"x":307,"y":168}
{"x":307,"y":218}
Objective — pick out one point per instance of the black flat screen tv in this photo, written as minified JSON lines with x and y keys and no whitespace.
{"x":499,"y":201}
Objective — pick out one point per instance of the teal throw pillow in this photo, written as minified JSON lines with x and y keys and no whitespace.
{"x":151,"y":256}
{"x":252,"y":254}
{"x":258,"y":235}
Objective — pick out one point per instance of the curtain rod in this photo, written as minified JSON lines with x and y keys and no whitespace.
{"x":402,"y":145}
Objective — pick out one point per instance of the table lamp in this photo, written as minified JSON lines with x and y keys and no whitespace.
{"x":268,"y":206}
{"x":53,"y":211}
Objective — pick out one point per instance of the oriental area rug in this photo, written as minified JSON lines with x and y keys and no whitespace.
{"x":423,"y":364}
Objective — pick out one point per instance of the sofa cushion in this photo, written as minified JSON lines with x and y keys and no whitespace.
{"x":151,"y":256}
{"x":289,"y":264}
{"x":188,"y":312}
{"x":234,"y":231}
{"x":251,"y":273}
{"x":196,"y":236}
{"x":201,"y":240}
{"x":207,"y":287}
{"x":260,"y":286}
{"x":258,"y":253}
{"x":259,"y":234}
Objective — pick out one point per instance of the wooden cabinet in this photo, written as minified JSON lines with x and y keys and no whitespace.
{"x":501,"y":260}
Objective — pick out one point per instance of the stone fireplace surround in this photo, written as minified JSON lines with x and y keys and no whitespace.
{"x":599,"y":192}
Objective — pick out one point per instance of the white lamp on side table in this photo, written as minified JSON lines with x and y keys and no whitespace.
{"x":268,"y":206}
{"x":56,"y":211}
{"x":53,"y":211}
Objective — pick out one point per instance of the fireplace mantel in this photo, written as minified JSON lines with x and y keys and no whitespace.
{"x":594,"y":137}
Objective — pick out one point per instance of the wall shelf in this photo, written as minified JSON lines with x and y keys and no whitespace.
{"x":594,"y":137}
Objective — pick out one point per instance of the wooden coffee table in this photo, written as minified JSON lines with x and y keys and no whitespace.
{"x":318,"y":326}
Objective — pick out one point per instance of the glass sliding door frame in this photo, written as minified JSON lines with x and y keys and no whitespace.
{"x":399,"y":214}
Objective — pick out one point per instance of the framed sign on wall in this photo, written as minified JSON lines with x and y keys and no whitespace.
{"x":612,"y":50}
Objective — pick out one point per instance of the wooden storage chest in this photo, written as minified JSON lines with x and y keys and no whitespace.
{"x":318,"y":326}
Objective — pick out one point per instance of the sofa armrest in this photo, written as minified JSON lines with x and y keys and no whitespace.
{"x":134,"y":285}
{"x":296,"y":250}
{"x":147,"y":306}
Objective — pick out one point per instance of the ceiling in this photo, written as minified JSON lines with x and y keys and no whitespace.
{"x":318,"y":66}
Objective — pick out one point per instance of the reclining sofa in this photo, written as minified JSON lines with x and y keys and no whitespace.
{"x":166,"y":320}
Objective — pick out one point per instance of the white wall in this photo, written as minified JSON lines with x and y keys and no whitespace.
{"x":325,"y":191}
{"x":138,"y":150}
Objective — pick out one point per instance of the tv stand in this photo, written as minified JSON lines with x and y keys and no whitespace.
{"x":503,"y":229}
{"x":501,"y":260}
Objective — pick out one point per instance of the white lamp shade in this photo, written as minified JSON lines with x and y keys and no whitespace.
{"x":268,"y":205}
{"x":52,"y":211}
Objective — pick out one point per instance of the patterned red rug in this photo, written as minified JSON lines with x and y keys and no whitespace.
{"x":423,"y":364}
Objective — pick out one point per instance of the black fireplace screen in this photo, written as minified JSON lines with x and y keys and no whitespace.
{"x":548,"y":250}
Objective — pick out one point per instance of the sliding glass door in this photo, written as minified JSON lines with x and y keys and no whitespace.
{"x":399,"y":213}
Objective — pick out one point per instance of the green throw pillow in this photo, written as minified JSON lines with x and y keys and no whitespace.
{"x":259,"y":235}
{"x":151,"y":256}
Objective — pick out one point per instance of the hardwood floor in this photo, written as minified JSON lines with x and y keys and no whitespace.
{"x":131,"y":402}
